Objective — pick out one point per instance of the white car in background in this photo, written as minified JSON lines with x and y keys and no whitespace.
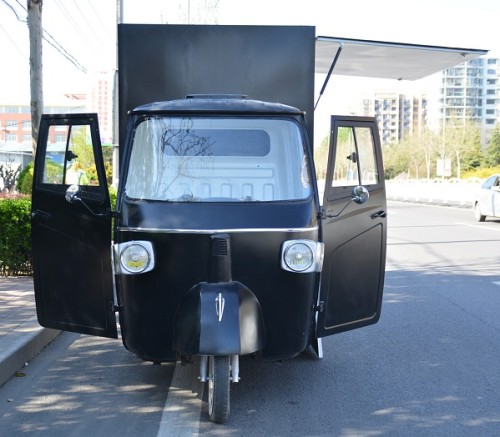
{"x":487,"y":201}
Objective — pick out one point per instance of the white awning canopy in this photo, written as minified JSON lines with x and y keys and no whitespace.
{"x":387,"y":60}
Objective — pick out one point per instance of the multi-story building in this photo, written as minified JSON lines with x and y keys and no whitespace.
{"x":15,"y":132}
{"x":397,"y":114}
{"x":15,"y":125}
{"x":471,"y":92}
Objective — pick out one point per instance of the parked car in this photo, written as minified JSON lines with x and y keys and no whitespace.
{"x":487,"y":201}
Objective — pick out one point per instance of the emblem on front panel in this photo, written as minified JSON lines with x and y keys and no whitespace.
{"x":219,"y":306}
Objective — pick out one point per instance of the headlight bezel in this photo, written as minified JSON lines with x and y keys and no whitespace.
{"x":315,"y":250}
{"x":121,"y":250}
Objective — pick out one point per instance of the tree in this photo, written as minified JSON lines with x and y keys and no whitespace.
{"x":416,"y":155}
{"x":462,"y":144}
{"x":9,"y":173}
{"x":81,"y":146}
{"x":321,"y":153}
{"x":412,"y":156}
{"x":396,"y":160}
{"x":429,"y":143}
{"x":321,"y":158}
{"x":25,"y":180}
{"x":493,"y":150}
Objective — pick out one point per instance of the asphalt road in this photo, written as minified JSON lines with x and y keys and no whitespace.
{"x":430,"y":367}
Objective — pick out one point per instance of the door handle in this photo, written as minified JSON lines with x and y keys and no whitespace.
{"x":379,"y":214}
{"x":41,"y":215}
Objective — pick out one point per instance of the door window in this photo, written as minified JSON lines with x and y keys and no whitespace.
{"x":69,"y":157}
{"x":355,"y":162}
{"x":346,"y":169}
{"x":367,"y":163}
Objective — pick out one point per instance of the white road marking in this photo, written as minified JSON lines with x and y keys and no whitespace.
{"x":181,"y":413}
{"x":485,"y":227}
{"x":496,"y":283}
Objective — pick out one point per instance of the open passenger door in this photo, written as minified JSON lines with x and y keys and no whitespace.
{"x":354,"y":228}
{"x":72,"y":241}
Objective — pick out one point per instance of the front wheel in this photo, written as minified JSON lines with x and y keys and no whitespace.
{"x":218,"y":388}
{"x":477,"y":213}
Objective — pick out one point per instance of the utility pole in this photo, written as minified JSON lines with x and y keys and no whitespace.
{"x":116,"y":150}
{"x":36,"y":81}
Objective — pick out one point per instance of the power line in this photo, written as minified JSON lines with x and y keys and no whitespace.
{"x":63,"y":51}
{"x":100,"y":21}
{"x":48,"y":38}
{"x":93,"y":32}
{"x":82,"y":25}
{"x":20,"y":4}
{"x":74,"y":24}
{"x":13,"y":42}
{"x":13,"y":10}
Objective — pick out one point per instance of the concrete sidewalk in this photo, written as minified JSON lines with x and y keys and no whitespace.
{"x":21,"y":337}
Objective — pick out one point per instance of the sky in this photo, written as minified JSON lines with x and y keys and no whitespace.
{"x":84,"y":32}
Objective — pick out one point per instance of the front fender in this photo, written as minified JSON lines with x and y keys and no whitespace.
{"x":219,"y":319}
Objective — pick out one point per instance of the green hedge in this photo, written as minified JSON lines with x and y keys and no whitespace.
{"x":15,"y":237}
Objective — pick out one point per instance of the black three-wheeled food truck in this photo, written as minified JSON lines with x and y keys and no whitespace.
{"x":220,"y":244}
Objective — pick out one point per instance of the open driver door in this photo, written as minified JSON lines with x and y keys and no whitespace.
{"x":354,"y":228}
{"x":72,"y":241}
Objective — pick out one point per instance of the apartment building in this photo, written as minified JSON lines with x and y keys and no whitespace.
{"x":397,"y":114}
{"x":15,"y":125}
{"x":471,"y":91}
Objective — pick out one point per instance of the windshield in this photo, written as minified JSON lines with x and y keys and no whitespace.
{"x":217,"y":160}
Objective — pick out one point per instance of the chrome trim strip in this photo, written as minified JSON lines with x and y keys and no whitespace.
{"x":113,"y":270}
{"x":215,"y":231}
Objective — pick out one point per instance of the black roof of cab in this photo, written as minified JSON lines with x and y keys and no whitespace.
{"x":219,"y":103}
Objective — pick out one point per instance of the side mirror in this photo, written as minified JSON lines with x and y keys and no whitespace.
{"x":353,"y":157}
{"x":70,"y":156}
{"x":360,"y":194}
{"x":73,"y":193}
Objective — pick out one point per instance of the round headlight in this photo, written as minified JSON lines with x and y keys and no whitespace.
{"x":135,"y":258}
{"x":299,"y":257}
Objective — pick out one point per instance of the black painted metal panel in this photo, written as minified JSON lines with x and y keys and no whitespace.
{"x":151,"y":300}
{"x":166,"y":62}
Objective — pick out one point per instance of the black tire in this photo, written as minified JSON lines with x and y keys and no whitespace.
{"x":477,"y":213}
{"x":218,"y":388}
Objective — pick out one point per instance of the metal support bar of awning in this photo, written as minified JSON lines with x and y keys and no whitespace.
{"x":329,"y":74}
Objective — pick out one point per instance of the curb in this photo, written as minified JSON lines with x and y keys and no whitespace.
{"x":22,"y":345}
